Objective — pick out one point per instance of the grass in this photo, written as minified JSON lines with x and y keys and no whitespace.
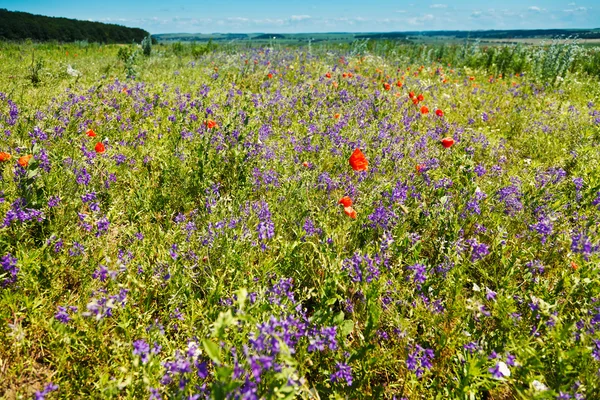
{"x":204,"y":251}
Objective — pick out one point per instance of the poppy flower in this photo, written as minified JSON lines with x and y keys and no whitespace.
{"x":4,"y":156}
{"x":471,"y":78}
{"x":424,"y":110}
{"x":344,"y":75}
{"x":100,"y":147}
{"x":24,"y":160}
{"x":447,"y":142}
{"x":328,"y":75}
{"x":336,"y":116}
{"x":345,"y":201}
{"x":350,"y":75}
{"x":358,"y":161}
{"x":306,"y":164}
{"x":439,"y":113}
{"x":415,"y":101}
{"x":210,"y":124}
{"x":335,"y":84}
{"x":574,"y":266}
{"x":399,"y":84}
{"x":270,"y":76}
{"x":91,"y":133}
{"x":386,"y":86}
{"x":420,"y":97}
{"x":411,"y":95}
{"x":349,"y":211}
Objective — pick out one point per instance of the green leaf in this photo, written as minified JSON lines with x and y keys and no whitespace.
{"x":212,"y":350}
{"x":347,"y":327}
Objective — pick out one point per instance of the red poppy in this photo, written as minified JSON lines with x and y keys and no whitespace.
{"x":328,"y":75}
{"x":210,"y":124}
{"x":350,"y":75}
{"x":336,"y":116}
{"x":411,"y":95}
{"x":447,"y":142}
{"x":471,"y":78}
{"x":305,"y":164}
{"x":270,"y":76}
{"x":386,"y":86}
{"x":100,"y":147}
{"x":424,"y":110}
{"x":4,"y":156}
{"x":415,"y":101}
{"x":420,"y":97}
{"x":358,"y":161}
{"x":439,"y":113}
{"x":399,"y":84}
{"x":345,"y":201}
{"x":91,"y":133}
{"x":24,"y":160}
{"x":344,"y":75}
{"x":349,"y":211}
{"x":574,"y":266}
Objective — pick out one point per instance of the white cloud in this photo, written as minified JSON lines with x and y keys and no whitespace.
{"x":438,"y":6}
{"x":578,"y":9}
{"x":420,"y":20}
{"x":300,"y":17}
{"x":535,"y":9}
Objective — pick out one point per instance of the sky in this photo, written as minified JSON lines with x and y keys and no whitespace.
{"x":295,"y":16}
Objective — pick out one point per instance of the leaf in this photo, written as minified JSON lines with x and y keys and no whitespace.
{"x":347,"y":327}
{"x":212,"y":350}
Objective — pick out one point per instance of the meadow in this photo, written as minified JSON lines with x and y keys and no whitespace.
{"x":397,"y":222}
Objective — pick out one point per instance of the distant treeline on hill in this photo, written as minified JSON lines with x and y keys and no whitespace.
{"x":15,"y":25}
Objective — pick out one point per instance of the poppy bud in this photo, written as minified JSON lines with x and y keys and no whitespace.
{"x":447,"y":142}
{"x":345,"y":201}
{"x":24,"y":160}
{"x":349,"y":211}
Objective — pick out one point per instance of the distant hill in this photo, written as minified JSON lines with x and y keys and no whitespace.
{"x":15,"y":25}
{"x":399,"y":36}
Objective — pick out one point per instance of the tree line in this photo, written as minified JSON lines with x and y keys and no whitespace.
{"x":16,"y":25}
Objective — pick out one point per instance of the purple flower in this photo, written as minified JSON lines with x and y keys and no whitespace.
{"x":419,"y":359}
{"x":62,"y":315}
{"x":53,"y":201}
{"x":499,"y":371}
{"x":9,"y":267}
{"x":50,"y":387}
{"x":142,"y":349}
{"x":344,"y":372}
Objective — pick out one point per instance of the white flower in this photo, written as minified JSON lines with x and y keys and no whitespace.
{"x":538,"y":386}
{"x":503,"y":369}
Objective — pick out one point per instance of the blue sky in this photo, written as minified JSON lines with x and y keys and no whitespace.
{"x":321,"y":16}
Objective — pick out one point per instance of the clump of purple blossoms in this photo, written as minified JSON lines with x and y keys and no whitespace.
{"x":344,"y":372}
{"x":50,"y":387}
{"x":19,"y":213}
{"x":266,"y":227}
{"x":103,"y":306}
{"x":478,"y":250}
{"x":142,"y":349}
{"x":62,"y":315}
{"x":419,"y":360}
{"x":362,"y":268}
{"x":511,"y":197}
{"x":9,"y":270}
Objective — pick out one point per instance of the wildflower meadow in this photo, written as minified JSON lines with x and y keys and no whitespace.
{"x":330,"y":222}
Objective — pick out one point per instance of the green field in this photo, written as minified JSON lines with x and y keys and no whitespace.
{"x":357,"y":220}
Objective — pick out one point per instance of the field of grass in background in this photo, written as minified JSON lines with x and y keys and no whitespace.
{"x":177,"y":232}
